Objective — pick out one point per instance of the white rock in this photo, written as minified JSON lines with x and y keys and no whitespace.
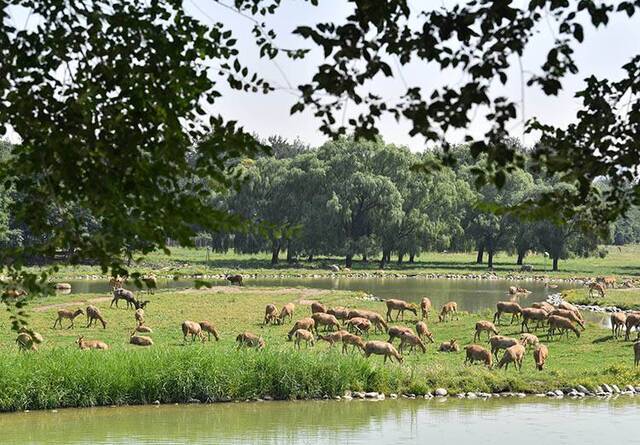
{"x":441,"y":392}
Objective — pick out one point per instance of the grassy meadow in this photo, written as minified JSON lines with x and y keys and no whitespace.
{"x":624,"y":298}
{"x":61,"y":375}
{"x":620,"y":261}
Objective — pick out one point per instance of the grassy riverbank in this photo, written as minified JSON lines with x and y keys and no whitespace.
{"x":621,"y":261}
{"x":60,"y":375}
{"x":626,"y":299}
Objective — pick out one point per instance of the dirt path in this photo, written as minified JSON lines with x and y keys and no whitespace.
{"x":70,"y":303}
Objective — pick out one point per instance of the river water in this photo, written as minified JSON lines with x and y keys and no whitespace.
{"x":470,"y":294}
{"x":494,"y":421}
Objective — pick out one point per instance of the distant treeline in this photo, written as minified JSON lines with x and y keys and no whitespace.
{"x":366,"y":200}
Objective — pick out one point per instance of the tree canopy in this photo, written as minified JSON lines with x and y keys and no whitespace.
{"x":116,"y":153}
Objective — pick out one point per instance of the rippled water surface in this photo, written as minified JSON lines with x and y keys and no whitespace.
{"x":496,"y":421}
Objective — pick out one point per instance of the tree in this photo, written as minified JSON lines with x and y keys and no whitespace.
{"x":360,"y":193}
{"x":494,"y":231}
{"x":108,"y":100}
{"x":482,"y":39}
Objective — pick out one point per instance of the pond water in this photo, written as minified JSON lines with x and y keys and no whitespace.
{"x":471,"y":295}
{"x":494,"y":421}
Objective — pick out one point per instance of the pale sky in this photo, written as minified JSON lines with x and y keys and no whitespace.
{"x":602,"y":53}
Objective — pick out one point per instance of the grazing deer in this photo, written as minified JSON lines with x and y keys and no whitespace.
{"x":450,"y":309}
{"x":400,"y":306}
{"x":93,"y":314}
{"x":234,"y":279}
{"x":62,"y":313}
{"x":425,"y":307}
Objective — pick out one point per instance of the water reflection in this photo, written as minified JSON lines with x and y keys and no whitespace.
{"x":501,"y":421}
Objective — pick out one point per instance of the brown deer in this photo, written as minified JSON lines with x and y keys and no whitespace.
{"x":400,"y":306}
{"x":451,"y":309}
{"x":63,"y":313}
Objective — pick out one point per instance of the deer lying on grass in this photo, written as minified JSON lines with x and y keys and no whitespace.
{"x":478,"y":353}
{"x":63,"y":313}
{"x":91,"y":344}
{"x":400,"y":306}
{"x":507,"y":307}
{"x":144,"y":329}
{"x":382,"y":348}
{"x":250,"y":340}
{"x":425,"y":307}
{"x":423,"y":331}
{"x":93,"y":314}
{"x":484,"y":326}
{"x":140,"y":340}
{"x":210,"y":329}
{"x":450,"y":309}
{"x":449,"y":346}
{"x":302,"y":334}
{"x":192,"y":328}
{"x":307,"y":323}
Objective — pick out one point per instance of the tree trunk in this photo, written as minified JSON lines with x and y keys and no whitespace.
{"x":400,"y":257}
{"x":364,"y":258}
{"x":385,"y":258}
{"x":555,"y":263}
{"x":412,"y":257}
{"x":480,"y":254}
{"x":275,"y":252}
{"x":310,"y":259}
{"x":490,"y":261}
{"x":348,"y":260}
{"x":520,"y":258}
{"x":289,"y":253}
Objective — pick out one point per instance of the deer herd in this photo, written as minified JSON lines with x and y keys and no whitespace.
{"x":352,"y":327}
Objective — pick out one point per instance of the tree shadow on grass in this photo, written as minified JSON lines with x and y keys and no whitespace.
{"x":604,"y":339}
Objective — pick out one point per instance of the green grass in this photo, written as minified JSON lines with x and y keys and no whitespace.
{"x":60,"y":375}
{"x":621,"y":261}
{"x":627,"y":299}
